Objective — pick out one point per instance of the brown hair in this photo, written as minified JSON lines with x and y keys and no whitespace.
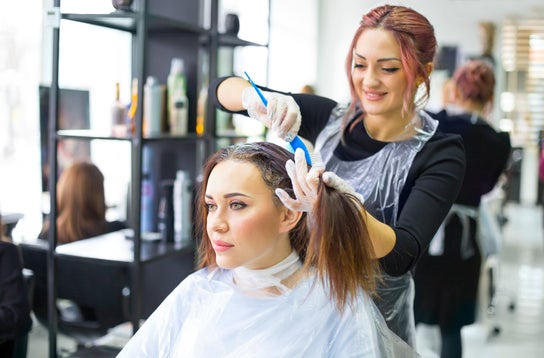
{"x":415,"y":36}
{"x":338,"y":245}
{"x":81,"y":210}
{"x":476,"y":81}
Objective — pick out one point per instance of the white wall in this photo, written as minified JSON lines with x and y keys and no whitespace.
{"x":293,"y":44}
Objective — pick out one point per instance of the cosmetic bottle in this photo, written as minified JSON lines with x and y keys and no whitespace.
{"x":183,"y":196}
{"x":118,"y":113}
{"x":131,"y":113}
{"x":178,"y":103}
{"x":152,"y":106}
{"x":166,"y":212}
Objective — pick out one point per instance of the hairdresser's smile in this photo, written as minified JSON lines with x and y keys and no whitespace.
{"x":373,"y":95}
{"x":244,"y":223}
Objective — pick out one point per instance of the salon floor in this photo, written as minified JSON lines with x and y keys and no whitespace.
{"x":520,"y":281}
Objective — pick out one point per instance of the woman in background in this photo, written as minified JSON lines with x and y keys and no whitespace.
{"x":274,"y":282}
{"x":381,"y":143}
{"x":15,"y":320}
{"x":81,"y":205}
{"x":447,"y":275}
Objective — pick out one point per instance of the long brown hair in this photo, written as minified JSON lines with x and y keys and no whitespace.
{"x":81,"y":203}
{"x":415,"y":36}
{"x":338,"y":245}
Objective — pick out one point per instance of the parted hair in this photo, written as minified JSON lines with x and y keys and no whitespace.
{"x":337,"y":246}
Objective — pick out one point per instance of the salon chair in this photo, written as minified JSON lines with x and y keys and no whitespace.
{"x":92,"y":296}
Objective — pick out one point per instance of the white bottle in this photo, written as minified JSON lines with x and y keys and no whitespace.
{"x":183,"y":197}
{"x":178,"y":103}
{"x":152,"y":106}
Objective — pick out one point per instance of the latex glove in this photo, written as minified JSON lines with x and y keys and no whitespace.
{"x":281,"y":115}
{"x":305,"y":184}
{"x":334,"y":181}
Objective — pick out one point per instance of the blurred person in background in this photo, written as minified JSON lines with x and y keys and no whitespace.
{"x":447,"y":275}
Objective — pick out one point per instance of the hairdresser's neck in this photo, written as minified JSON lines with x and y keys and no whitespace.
{"x":387,"y":128}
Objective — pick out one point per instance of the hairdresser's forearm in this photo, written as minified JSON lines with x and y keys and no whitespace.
{"x":229,"y":93}
{"x":382,"y":236}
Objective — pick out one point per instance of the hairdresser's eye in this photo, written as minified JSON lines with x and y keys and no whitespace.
{"x":390,"y":69}
{"x":359,"y":66}
{"x":237,"y":205}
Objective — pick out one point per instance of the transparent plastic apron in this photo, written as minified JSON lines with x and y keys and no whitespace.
{"x":380,"y":179}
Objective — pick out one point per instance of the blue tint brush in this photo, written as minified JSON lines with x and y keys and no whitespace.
{"x":295,"y":142}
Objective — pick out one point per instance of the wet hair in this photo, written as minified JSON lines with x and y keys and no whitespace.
{"x":415,"y":36}
{"x":475,"y":80}
{"x":338,"y":245}
{"x":81,"y":204}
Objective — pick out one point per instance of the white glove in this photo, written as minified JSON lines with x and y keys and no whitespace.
{"x":282,"y":115}
{"x":305,"y":184}
{"x":334,"y":181}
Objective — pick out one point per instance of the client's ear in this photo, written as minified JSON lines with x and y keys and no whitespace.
{"x":289,"y":219}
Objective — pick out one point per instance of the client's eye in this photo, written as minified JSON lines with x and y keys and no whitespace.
{"x":237,"y":205}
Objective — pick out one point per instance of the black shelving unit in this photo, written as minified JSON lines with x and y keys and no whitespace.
{"x":216,"y":40}
{"x":165,"y":29}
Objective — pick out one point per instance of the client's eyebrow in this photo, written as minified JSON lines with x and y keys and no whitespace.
{"x":229,"y":195}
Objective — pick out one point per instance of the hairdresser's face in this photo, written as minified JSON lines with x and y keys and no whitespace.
{"x":378,"y":76}
{"x":243,"y":224}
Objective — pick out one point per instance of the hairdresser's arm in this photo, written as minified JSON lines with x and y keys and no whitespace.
{"x":226,"y":94}
{"x":382,"y":236}
{"x":229,"y":93}
{"x":429,"y":192}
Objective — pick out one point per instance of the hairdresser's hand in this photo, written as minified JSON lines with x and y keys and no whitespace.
{"x":305,"y":184}
{"x":334,"y":181}
{"x":282,"y":115}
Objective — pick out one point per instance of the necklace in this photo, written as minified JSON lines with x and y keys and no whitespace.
{"x":406,"y":131}
{"x":255,"y":280}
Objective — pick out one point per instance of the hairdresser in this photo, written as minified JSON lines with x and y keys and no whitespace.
{"x":380,"y":144}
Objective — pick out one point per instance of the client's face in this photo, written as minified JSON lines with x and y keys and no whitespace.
{"x":243,"y":224}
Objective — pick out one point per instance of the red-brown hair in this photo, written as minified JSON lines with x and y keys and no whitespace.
{"x":475,"y":80}
{"x":417,"y":42}
{"x":338,"y":246}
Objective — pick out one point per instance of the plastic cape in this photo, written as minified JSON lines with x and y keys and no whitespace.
{"x":380,"y":179}
{"x":208,"y":316}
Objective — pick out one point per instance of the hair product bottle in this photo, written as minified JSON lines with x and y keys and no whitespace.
{"x":118,"y":113}
{"x":166,"y":211}
{"x":178,"y":104}
{"x":152,"y":106}
{"x":183,"y":192}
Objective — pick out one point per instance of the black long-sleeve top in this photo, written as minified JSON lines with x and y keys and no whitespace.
{"x":14,"y":301}
{"x":487,"y":153}
{"x":433,"y":181}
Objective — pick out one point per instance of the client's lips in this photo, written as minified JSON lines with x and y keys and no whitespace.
{"x":221,"y":246}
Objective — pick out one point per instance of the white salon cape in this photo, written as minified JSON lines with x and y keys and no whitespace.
{"x":208,"y":316}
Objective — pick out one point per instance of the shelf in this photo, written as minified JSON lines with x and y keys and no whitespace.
{"x":233,"y":41}
{"x":89,"y":134}
{"x":127,"y":21}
